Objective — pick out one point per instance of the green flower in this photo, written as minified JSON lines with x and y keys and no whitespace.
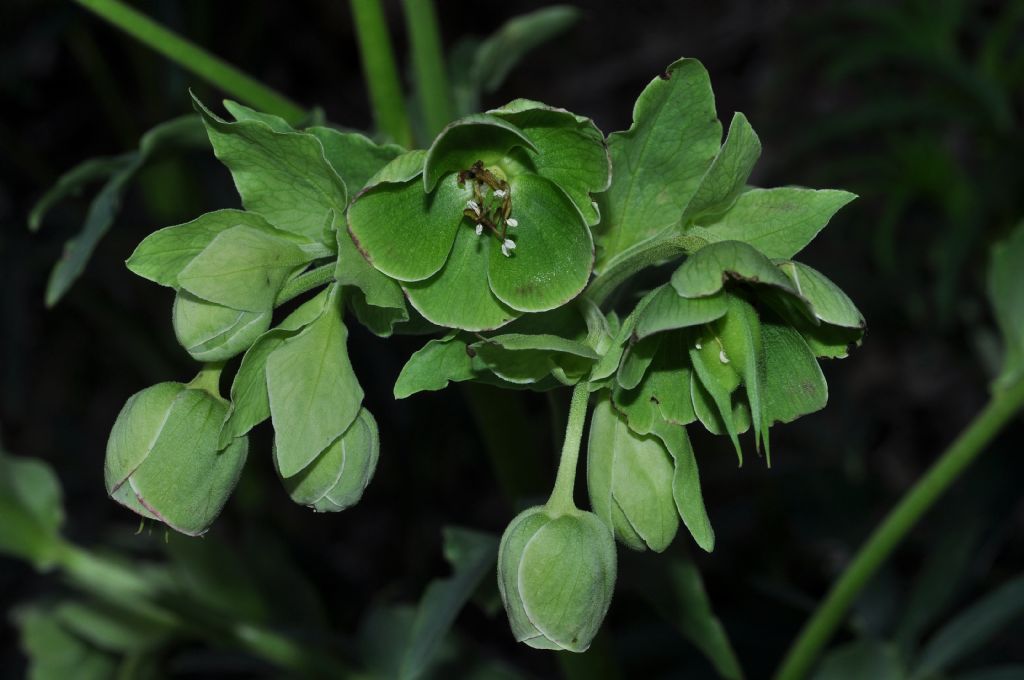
{"x":491,"y":222}
{"x":163,"y":458}
{"x":733,"y":318}
{"x":556,"y":575}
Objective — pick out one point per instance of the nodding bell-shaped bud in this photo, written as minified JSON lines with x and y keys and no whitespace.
{"x":630,"y":477}
{"x":556,"y":574}
{"x":163,"y":458}
{"x":212,"y":332}
{"x":337,"y":478}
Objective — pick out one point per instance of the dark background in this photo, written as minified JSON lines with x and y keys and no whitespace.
{"x":924,"y":124}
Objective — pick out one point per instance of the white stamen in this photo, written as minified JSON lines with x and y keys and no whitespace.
{"x":500,"y":193}
{"x":474,"y":206}
{"x":507,"y":246}
{"x":512,"y":222}
{"x":721,"y":357}
{"x":479,"y":229}
{"x":697,"y":345}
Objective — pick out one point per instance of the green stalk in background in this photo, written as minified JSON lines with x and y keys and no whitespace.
{"x":971,"y":442}
{"x":380,"y":71}
{"x":431,"y":75}
{"x":193,"y":58}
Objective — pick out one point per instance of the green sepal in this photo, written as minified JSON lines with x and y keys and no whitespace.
{"x":539,"y":554}
{"x":570,"y":150}
{"x":629,"y":479}
{"x":337,"y":478}
{"x":211,"y":332}
{"x":467,"y":140}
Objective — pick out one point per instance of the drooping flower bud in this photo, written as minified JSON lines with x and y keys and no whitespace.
{"x":337,"y":478}
{"x":212,"y":332}
{"x":629,"y":477}
{"x":163,"y":460}
{"x":556,"y":575}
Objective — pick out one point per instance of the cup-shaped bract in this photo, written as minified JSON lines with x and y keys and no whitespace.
{"x":556,"y":574}
{"x":629,"y":477}
{"x":337,"y":478}
{"x":163,"y":460}
{"x":212,"y":332}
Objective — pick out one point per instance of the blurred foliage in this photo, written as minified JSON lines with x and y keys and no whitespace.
{"x":919,"y":109}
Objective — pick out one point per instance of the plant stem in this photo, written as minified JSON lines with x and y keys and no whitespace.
{"x":193,"y":58}
{"x":208,"y":378}
{"x":305,"y":282}
{"x":971,"y":442}
{"x":380,"y":71}
{"x":428,"y":66}
{"x":561,"y":500}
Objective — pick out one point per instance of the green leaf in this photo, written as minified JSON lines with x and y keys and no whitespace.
{"x":668,"y":311}
{"x":629,"y":478}
{"x":554,"y":252}
{"x":609,"y":363}
{"x":794,"y":385}
{"x":709,"y":412}
{"x":54,"y":653}
{"x":355,"y":157}
{"x":658,"y":164}
{"x":283,"y":176}
{"x":74,"y":181}
{"x":110,"y":628}
{"x":406,"y":233}
{"x":467,"y":140}
{"x":971,"y":629}
{"x":707,"y":271}
{"x":250,"y":403}
{"x":726,"y":177}
{"x":521,"y":359}
{"x":472,"y":555}
{"x":31,"y":510}
{"x":680,"y":597}
{"x":183,"y":132}
{"x":458,"y":296}
{"x":211,"y":332}
{"x":636,"y":360}
{"x":1006,"y":295}
{"x":434,"y":365}
{"x":337,"y":478}
{"x":492,"y":60}
{"x":570,"y":150}
{"x":861,"y":659}
{"x":314,"y":394}
{"x":243,"y":268}
{"x":686,"y":489}
{"x":163,"y":254}
{"x":827,"y":302}
{"x":240,"y":112}
{"x":778,"y":222}
{"x":400,"y":170}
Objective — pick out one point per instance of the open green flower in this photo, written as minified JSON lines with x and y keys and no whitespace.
{"x":493,"y":220}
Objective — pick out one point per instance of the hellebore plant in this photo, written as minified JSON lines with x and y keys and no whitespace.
{"x":514,"y":236}
{"x":490,"y":234}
